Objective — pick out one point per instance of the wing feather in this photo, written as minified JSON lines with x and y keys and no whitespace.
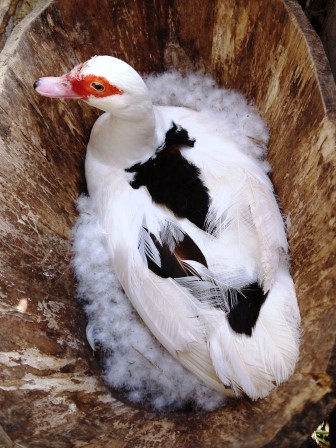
{"x":269,"y":226}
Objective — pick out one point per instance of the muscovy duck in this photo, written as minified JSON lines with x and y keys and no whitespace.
{"x":193,"y":229}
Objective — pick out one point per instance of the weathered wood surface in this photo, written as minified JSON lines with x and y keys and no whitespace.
{"x":11,"y":12}
{"x":51,"y":394}
{"x":329,"y":35}
{"x":7,"y":10}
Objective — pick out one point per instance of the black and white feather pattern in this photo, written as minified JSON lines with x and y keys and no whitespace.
{"x":238,"y":242}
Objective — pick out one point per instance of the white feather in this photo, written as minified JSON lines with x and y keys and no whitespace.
{"x":147,"y":247}
{"x":171,"y":234}
{"x":269,"y":225}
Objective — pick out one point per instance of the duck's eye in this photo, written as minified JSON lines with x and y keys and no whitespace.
{"x":98,"y":86}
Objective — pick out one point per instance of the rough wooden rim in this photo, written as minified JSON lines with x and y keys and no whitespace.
{"x":318,"y":55}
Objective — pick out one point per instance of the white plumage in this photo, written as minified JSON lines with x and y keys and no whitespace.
{"x":243,"y":240}
{"x":134,"y":362}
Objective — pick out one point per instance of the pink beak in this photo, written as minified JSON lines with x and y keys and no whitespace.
{"x":55,"y":87}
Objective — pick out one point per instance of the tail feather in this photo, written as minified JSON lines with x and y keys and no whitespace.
{"x":255,"y":364}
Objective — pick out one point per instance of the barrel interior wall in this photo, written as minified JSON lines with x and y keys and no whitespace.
{"x":136,"y":33}
{"x":258,"y":50}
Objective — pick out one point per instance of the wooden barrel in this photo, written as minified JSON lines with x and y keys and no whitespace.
{"x":51,"y":394}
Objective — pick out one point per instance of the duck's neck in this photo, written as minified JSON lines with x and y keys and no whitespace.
{"x":121,"y":142}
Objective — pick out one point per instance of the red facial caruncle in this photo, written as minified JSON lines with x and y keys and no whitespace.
{"x":76,"y":85}
{"x":91,"y":85}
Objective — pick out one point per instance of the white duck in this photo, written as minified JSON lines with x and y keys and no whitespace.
{"x":193,"y":229}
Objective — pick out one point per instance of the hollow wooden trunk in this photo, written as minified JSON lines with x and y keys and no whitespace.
{"x":51,"y":394}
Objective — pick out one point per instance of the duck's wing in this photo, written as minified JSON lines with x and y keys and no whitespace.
{"x":268,"y":223}
{"x":171,"y":311}
{"x":247,"y":203}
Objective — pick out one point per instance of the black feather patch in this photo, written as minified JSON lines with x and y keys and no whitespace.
{"x":173,"y":181}
{"x":172,"y":262}
{"x":244,"y":314}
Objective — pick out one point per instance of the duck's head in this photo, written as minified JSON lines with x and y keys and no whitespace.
{"x":104,"y":82}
